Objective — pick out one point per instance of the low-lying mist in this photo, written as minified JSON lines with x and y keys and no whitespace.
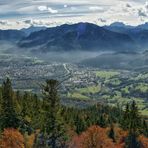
{"x":11,"y":52}
{"x":11,"y":49}
{"x":70,"y":56}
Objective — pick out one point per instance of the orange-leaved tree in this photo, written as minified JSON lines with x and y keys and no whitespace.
{"x":144,"y":141}
{"x":11,"y":138}
{"x":94,"y":137}
{"x":120,"y":135}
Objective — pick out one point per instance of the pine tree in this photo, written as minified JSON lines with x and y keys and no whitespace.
{"x":112,"y":133}
{"x":145,"y":128}
{"x":126,"y":118}
{"x":135,"y":120}
{"x":35,"y":103}
{"x":35,"y":112}
{"x":24,"y":106}
{"x":0,"y":100}
{"x":133,"y":126}
{"x":132,"y":141}
{"x":102,"y":121}
{"x":54,"y":126}
{"x":17,"y":101}
{"x":79,"y":125}
{"x":9,"y":117}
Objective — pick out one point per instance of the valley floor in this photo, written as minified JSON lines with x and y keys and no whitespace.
{"x":80,"y":83}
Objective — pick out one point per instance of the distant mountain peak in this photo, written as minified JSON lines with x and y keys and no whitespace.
{"x":32,"y":29}
{"x":80,"y":36}
{"x":121,"y":25}
{"x":118,"y":24}
{"x":143,"y":26}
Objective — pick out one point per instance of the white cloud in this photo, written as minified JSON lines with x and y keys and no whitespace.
{"x":122,"y":12}
{"x":95,"y":8}
{"x":3,"y":22}
{"x":43,"y":8}
{"x":142,"y":11}
{"x":7,"y":24}
{"x":146,"y":5}
{"x":47,"y":9}
{"x":52,"y":10}
{"x":49,"y":12}
{"x":65,"y":6}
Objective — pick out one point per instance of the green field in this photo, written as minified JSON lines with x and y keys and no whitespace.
{"x":106,"y":74}
{"x":91,"y":89}
{"x":116,"y":90}
{"x":76,"y":95}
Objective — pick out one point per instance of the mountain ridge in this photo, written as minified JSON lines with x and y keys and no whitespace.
{"x":80,"y":36}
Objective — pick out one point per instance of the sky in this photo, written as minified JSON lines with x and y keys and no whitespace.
{"x":17,"y":14}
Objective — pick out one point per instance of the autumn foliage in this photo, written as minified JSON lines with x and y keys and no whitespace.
{"x":45,"y":122}
{"x":120,"y":136}
{"x":11,"y":138}
{"x":29,"y":140}
{"x":94,"y":137}
{"x":144,"y":141}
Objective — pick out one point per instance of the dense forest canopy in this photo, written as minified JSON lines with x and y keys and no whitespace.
{"x":27,"y":120}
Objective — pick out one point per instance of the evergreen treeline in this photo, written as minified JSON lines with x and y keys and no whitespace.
{"x":55,"y":126}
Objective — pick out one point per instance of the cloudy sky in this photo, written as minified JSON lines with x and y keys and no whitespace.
{"x":23,"y":13}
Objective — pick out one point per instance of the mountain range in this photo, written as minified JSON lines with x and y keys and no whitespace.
{"x":32,"y":29}
{"x":11,"y":35}
{"x":81,"y":36}
{"x":120,"y":60}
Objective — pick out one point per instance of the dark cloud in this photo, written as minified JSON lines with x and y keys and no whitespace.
{"x":128,"y":5}
{"x":102,"y":20}
{"x":142,"y":13}
{"x":28,"y":21}
{"x":3,"y":22}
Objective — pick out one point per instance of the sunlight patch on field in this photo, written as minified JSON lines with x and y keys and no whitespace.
{"x":106,"y":74}
{"x":78,"y":96}
{"x":90,"y":89}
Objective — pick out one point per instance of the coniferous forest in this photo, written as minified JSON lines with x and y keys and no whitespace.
{"x":29,"y":120}
{"x":73,"y":73}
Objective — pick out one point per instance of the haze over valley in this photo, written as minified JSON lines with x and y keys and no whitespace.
{"x":73,"y":74}
{"x":96,"y":62}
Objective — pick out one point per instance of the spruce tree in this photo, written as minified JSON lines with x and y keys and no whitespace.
{"x":24,"y":106}
{"x":35,"y":112}
{"x":132,"y":141}
{"x":145,"y":128}
{"x":17,"y":101}
{"x":135,"y":121}
{"x":126,"y":118}
{"x":9,"y":117}
{"x":102,"y":122}
{"x":54,"y":125}
{"x":112,"y":133}
{"x":133,"y":127}
{"x":79,"y":125}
